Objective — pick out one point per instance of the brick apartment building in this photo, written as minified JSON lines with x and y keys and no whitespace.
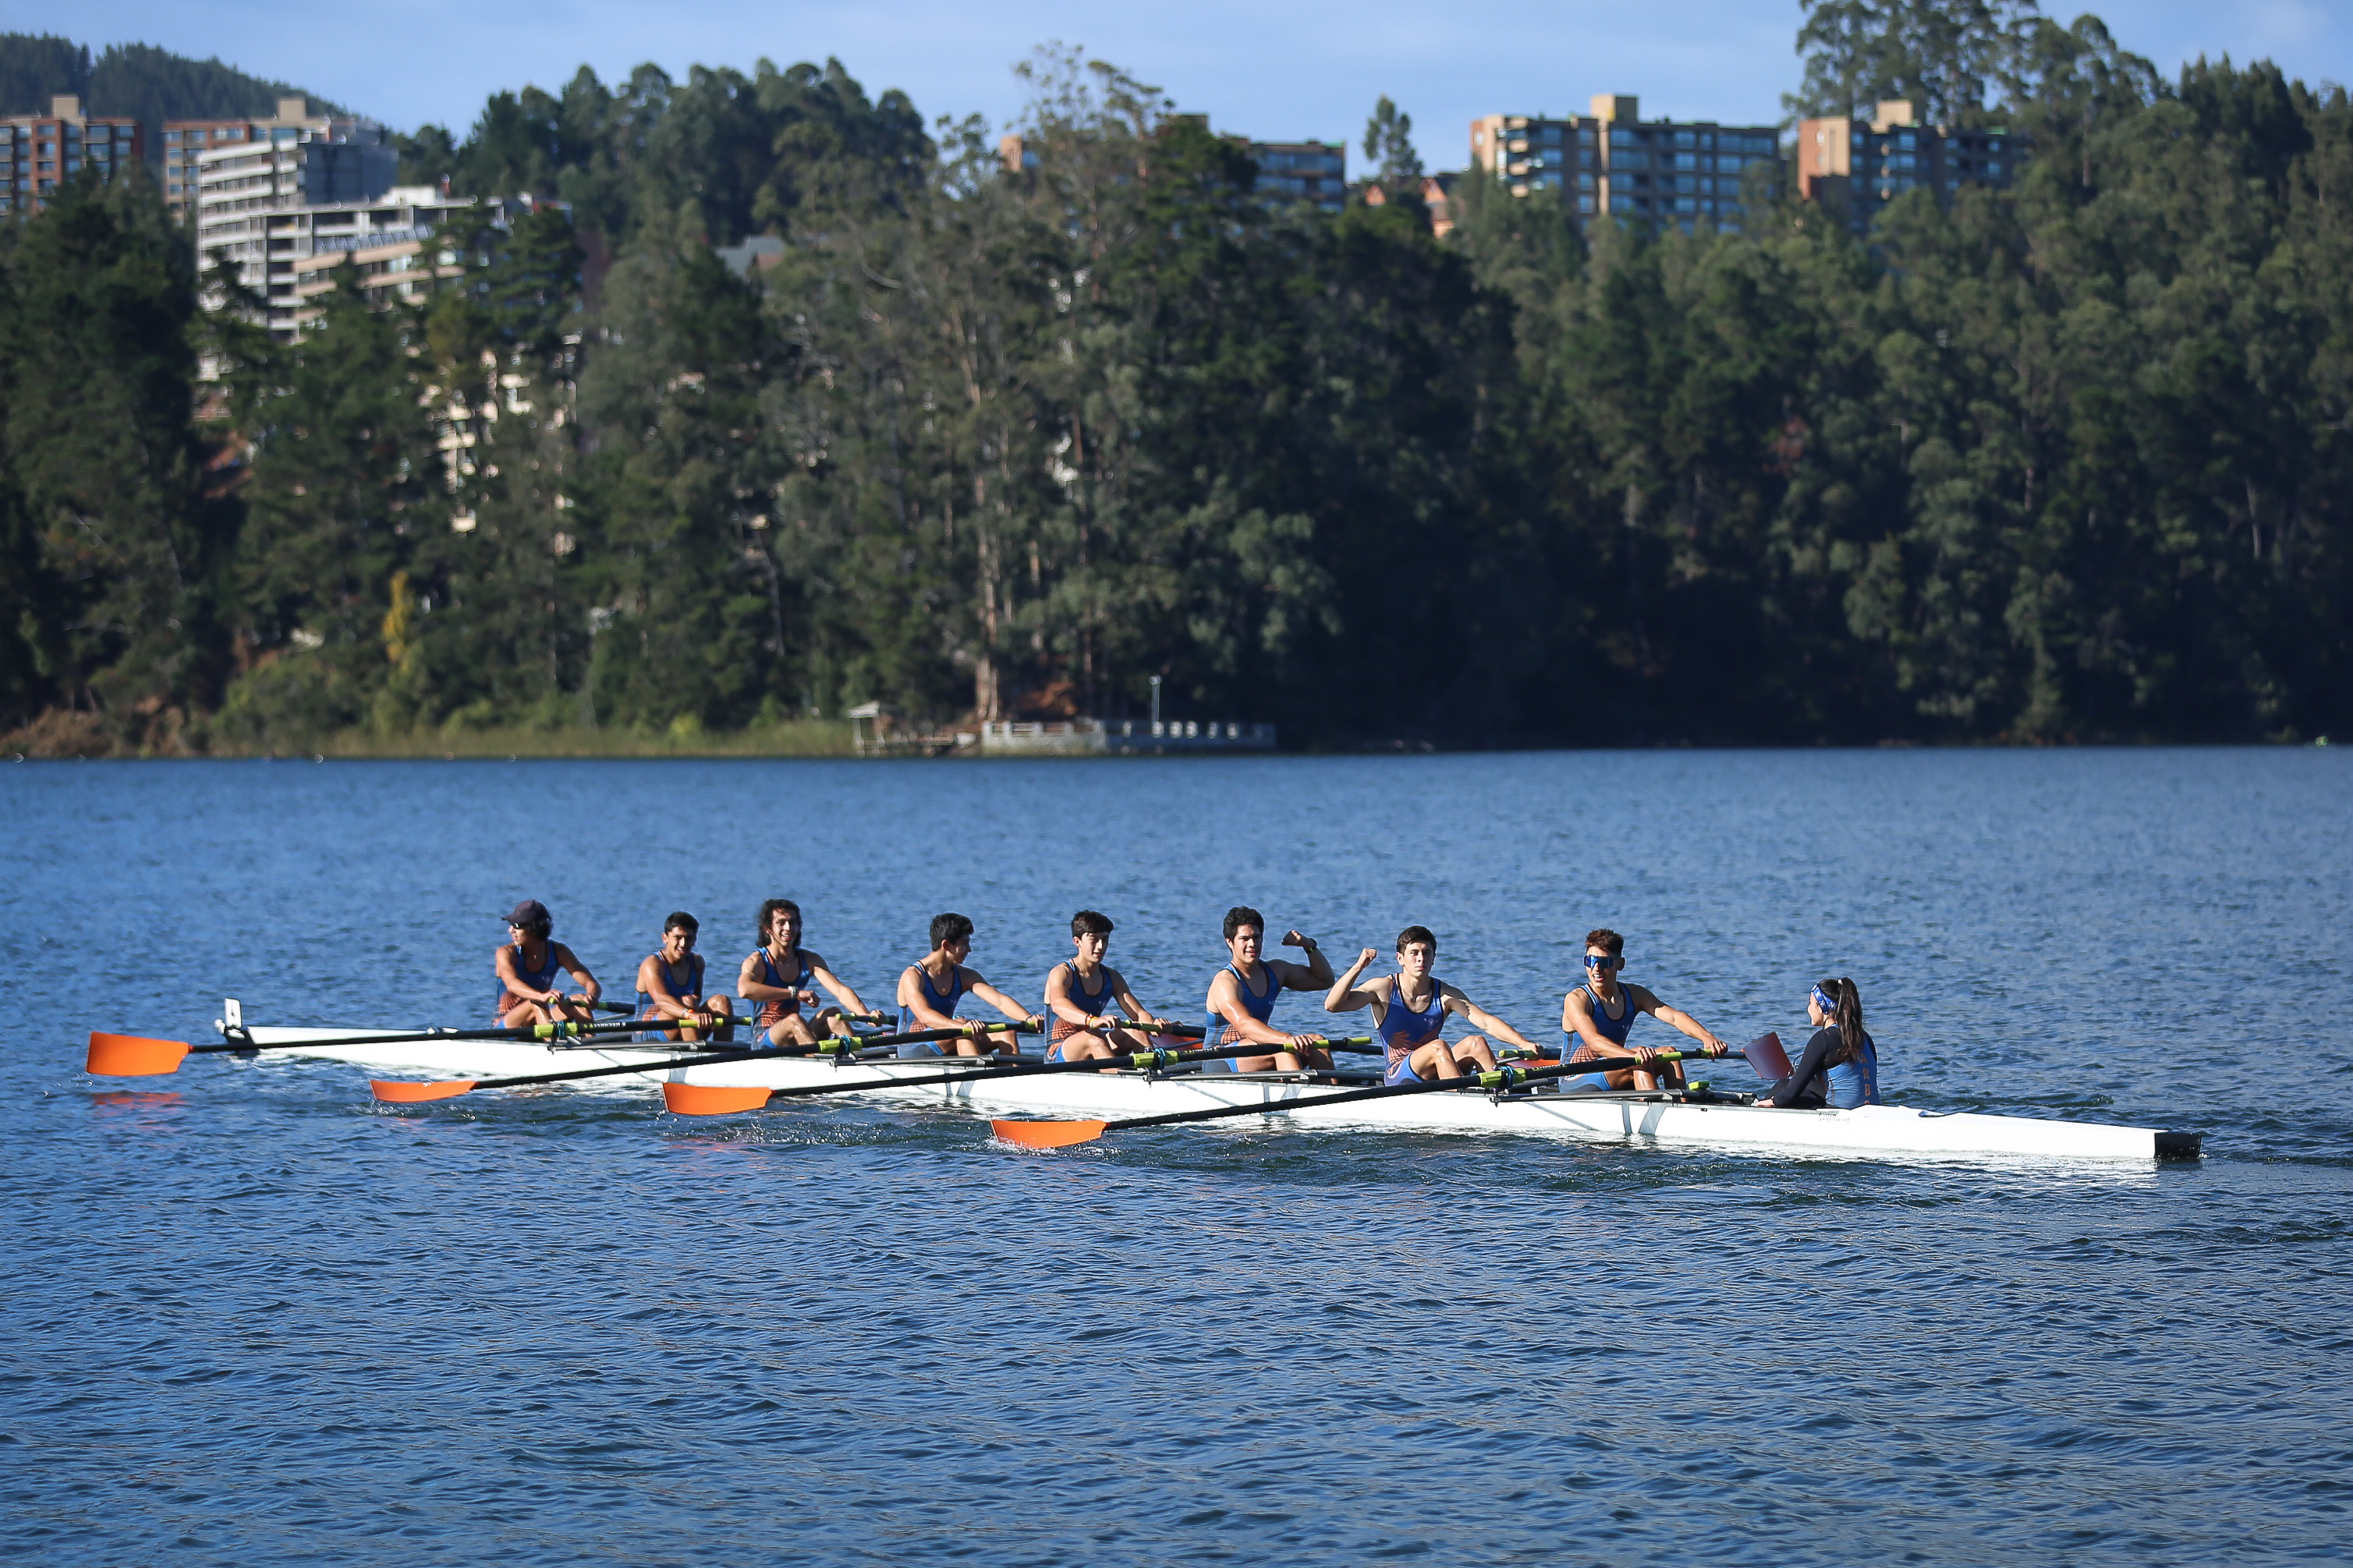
{"x":1868,"y":163}
{"x":1613,"y":162}
{"x":37,"y":151}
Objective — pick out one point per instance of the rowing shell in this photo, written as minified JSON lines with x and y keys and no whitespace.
{"x":1872,"y":1130}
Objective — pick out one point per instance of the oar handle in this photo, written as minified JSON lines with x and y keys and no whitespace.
{"x":712,"y":1059}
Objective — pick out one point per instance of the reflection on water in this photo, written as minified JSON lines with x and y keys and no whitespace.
{"x":259,"y":1316}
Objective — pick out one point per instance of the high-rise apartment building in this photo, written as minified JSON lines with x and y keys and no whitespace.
{"x":37,"y":151}
{"x":184,"y":139}
{"x":1314,"y":172}
{"x":255,"y":200}
{"x":1612,"y":162}
{"x":1868,"y":163}
{"x":291,"y":254}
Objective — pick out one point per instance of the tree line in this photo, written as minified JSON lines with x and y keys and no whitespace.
{"x":2064,"y":462}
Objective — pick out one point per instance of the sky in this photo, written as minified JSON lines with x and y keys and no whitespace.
{"x":1272,"y":69}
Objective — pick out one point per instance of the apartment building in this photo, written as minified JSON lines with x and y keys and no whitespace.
{"x":183,"y":140}
{"x":1313,"y":172}
{"x":389,"y":242}
{"x":1612,"y":162}
{"x":1865,"y":164}
{"x":256,"y":200}
{"x":37,"y":151}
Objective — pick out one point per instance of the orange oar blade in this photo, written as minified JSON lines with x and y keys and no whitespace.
{"x":1765,"y":1055}
{"x":1046,"y":1134}
{"x":133,"y":1056}
{"x":706,"y":1100}
{"x":393,"y":1093}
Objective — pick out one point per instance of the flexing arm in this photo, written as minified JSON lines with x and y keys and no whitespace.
{"x":1313,"y":976}
{"x":1347,"y":996}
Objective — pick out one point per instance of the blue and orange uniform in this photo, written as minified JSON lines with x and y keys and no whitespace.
{"x":1405,"y":1030}
{"x":773,"y":1012}
{"x":1613,"y":1030}
{"x":689,"y":986}
{"x":945,"y":1004}
{"x":1075,"y":994}
{"x":539,"y":979}
{"x":1261,"y":1008}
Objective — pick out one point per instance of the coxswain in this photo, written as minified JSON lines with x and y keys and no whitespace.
{"x":527,"y":967}
{"x":781,"y":976}
{"x":1243,"y":993}
{"x":1595,"y":1015}
{"x":930,"y":988}
{"x":1409,"y":1011}
{"x":669,"y":986}
{"x":1082,"y":990}
{"x":1840,"y":1068}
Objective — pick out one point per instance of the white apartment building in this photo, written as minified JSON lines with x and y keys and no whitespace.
{"x":253,"y":198}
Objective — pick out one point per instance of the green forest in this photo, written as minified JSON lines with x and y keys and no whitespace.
{"x":149,"y":84}
{"x":2065,"y":463}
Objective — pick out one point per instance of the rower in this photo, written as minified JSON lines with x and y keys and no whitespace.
{"x":1243,"y":993}
{"x":1597,"y":1015}
{"x":527,"y":967}
{"x":779,"y":975}
{"x":1080,"y":992}
{"x":1409,"y":1011}
{"x":930,"y":988}
{"x":669,"y":986}
{"x":1840,"y":1068}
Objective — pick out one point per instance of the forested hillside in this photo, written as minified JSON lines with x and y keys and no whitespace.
{"x":149,"y":84}
{"x":2069,"y":462}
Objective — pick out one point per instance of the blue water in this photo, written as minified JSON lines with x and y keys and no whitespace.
{"x":253,"y":1316}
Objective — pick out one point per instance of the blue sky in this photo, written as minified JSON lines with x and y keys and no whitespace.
{"x":1274,"y":70}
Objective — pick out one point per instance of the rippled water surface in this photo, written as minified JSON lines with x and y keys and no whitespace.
{"x":252,"y":1316}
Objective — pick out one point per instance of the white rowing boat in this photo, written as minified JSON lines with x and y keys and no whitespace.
{"x":1882,"y":1129}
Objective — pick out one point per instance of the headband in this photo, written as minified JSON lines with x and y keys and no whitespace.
{"x":1823,"y":1000}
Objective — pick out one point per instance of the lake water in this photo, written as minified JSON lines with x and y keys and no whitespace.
{"x":253,"y":1316}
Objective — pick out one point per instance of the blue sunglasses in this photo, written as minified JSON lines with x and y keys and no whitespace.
{"x":1597,"y":960}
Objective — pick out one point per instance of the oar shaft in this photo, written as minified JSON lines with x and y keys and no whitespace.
{"x":1501,"y":1079}
{"x":718,"y":1058}
{"x":1035,"y":1069}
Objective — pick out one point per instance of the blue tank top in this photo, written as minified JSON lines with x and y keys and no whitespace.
{"x":539,"y":979}
{"x":693,"y":986}
{"x":1261,"y":1008}
{"x":772,"y":1011}
{"x":1613,"y":1030}
{"x":1403,"y":1029}
{"x":943,"y":1006}
{"x":1854,"y":1082}
{"x":1075,"y":993}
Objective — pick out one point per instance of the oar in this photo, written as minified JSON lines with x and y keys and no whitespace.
{"x":709,"y":1099}
{"x":402,"y":1092}
{"x":1059,"y":1135}
{"x":138,"y":1055}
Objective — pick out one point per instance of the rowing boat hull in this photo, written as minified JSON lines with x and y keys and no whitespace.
{"x":1872,"y":1130}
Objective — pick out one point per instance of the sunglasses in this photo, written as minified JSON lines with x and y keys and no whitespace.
{"x":1597,"y":960}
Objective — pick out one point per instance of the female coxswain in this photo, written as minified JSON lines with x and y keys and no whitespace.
{"x":1840,"y":1068}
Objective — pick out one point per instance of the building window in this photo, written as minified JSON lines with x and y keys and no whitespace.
{"x":1585,"y":201}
